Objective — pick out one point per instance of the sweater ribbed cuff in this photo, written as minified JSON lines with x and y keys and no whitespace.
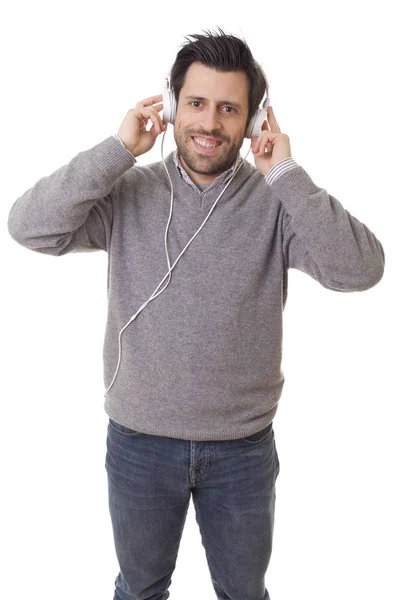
{"x":279,"y":169}
{"x":121,"y":142}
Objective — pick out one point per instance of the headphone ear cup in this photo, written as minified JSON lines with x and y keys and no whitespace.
{"x":169,"y":103}
{"x":256,"y":122}
{"x":173,"y":107}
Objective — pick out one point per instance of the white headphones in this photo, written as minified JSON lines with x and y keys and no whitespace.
{"x":169,"y":109}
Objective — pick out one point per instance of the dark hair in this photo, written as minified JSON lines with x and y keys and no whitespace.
{"x":222,"y":52}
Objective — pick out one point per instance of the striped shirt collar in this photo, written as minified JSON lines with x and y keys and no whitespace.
{"x":221,"y":179}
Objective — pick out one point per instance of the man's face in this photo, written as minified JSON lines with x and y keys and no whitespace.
{"x":212,"y":109}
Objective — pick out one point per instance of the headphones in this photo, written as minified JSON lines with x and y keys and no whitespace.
{"x":169,"y":109}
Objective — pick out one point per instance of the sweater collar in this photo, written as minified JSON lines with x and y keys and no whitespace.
{"x":221,"y":179}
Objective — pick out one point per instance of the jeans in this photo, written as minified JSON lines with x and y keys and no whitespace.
{"x":150,"y":481}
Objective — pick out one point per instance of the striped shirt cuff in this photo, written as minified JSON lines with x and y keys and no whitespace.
{"x":122,"y":143}
{"x":279,"y":169}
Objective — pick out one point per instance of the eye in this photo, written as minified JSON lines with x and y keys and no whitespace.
{"x":230,"y":109}
{"x":195,"y":102}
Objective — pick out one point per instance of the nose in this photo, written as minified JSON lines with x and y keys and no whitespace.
{"x":210,"y":119}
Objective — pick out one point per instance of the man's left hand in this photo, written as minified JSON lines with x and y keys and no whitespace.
{"x":271,"y":146}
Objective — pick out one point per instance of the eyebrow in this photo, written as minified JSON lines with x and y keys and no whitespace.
{"x":239,"y":106}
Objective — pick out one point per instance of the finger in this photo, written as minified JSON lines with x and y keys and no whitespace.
{"x":258,"y":141}
{"x":262,"y":148}
{"x":268,"y":143}
{"x":259,"y":144}
{"x":150,"y":101}
{"x":272,"y":120}
{"x":152,"y":131}
{"x":152,"y":114}
{"x":155,"y":131}
{"x":158,"y":124}
{"x":255,"y":142}
{"x":157,"y":107}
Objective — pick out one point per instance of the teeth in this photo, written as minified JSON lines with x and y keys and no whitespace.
{"x":206,"y":144}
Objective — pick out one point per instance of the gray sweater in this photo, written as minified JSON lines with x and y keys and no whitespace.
{"x":202,"y":361}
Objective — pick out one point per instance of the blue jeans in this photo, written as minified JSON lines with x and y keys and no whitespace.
{"x":150,"y":481}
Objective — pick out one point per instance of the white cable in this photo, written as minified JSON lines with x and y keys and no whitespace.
{"x":166,"y":249}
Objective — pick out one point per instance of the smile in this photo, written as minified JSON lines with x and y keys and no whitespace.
{"x":204,"y":143}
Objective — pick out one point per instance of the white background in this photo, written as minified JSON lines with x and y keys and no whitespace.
{"x":70,"y":72}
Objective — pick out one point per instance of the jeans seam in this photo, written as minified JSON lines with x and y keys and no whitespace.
{"x":214,"y":580}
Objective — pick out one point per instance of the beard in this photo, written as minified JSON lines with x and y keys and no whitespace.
{"x":201,"y":163}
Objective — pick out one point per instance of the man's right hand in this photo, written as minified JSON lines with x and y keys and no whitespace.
{"x":132,"y":131}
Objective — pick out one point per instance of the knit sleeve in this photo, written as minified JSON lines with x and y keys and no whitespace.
{"x":71,"y":209}
{"x":321,"y":238}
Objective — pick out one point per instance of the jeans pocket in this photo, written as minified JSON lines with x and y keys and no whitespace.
{"x":122,"y":429}
{"x":259,"y":436}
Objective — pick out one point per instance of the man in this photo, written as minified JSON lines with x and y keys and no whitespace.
{"x":191,"y":410}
